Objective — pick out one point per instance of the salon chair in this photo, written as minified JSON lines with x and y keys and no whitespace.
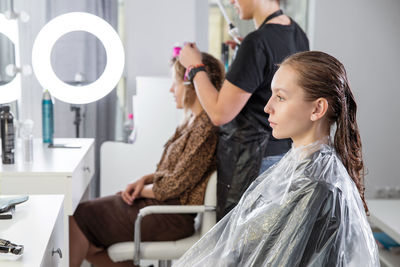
{"x":166,"y":251}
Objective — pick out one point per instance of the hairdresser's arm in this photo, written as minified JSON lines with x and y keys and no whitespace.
{"x":220,"y":106}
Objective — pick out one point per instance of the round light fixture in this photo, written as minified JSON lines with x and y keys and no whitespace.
{"x":11,"y":91}
{"x":78,"y":21}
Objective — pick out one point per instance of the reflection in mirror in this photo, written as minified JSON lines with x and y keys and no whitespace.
{"x":7,"y":57}
{"x":73,"y":55}
{"x":218,"y":28}
{"x":9,"y":85}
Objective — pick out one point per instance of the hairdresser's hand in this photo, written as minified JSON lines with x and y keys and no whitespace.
{"x":232,"y":44}
{"x":190,"y":55}
{"x":132,"y":191}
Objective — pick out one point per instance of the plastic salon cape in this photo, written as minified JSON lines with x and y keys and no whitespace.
{"x":303,"y":211}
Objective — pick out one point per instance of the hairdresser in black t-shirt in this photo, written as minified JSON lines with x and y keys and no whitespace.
{"x":246,"y":146}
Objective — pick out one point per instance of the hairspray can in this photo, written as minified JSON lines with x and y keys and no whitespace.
{"x":47,"y":118}
{"x":7,"y":135}
{"x":225,"y":56}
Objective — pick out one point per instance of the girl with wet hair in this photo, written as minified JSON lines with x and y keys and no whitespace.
{"x":322,"y":76}
{"x":309,"y":208}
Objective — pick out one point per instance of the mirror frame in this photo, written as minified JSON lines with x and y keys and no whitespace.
{"x":11,"y":91}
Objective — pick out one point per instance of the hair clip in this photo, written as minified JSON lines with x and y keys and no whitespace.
{"x":176,"y":50}
{"x":8,"y":247}
{"x":175,"y":53}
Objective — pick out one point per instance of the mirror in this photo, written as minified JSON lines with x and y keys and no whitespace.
{"x":7,"y":57}
{"x":78,"y":45}
{"x":10,"y":80}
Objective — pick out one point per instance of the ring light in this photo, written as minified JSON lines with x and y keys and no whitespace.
{"x":78,"y":21}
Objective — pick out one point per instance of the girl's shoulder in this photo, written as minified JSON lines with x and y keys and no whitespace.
{"x":202,"y":123}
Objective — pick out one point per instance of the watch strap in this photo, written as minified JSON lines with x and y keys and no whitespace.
{"x":193,"y":71}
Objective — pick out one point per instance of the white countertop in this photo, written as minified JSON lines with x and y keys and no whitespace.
{"x":385,"y":214}
{"x":48,"y":160}
{"x":31,"y":226}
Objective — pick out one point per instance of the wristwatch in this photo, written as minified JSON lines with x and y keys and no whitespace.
{"x":194,"y":70}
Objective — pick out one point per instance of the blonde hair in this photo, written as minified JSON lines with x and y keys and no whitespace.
{"x":215,"y":72}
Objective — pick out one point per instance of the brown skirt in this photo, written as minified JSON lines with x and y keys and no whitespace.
{"x":109,"y":220}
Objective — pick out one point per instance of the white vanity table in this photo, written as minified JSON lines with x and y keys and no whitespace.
{"x":65,"y":171}
{"x":386,"y":216}
{"x":37,"y":224}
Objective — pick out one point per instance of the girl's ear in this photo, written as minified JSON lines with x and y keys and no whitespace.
{"x":320,"y":109}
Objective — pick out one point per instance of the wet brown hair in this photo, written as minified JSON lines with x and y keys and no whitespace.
{"x":215,"y":72}
{"x":323,"y":76}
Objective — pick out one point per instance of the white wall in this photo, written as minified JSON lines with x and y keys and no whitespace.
{"x":153,"y":27}
{"x":365,"y":36}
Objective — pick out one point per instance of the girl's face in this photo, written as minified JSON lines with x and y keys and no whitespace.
{"x":177,"y":89}
{"x":289,"y":113}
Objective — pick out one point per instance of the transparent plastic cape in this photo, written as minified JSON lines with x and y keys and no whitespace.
{"x":303,"y":211}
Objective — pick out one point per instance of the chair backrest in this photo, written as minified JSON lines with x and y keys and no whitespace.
{"x":156,"y":118}
{"x":210,"y":199}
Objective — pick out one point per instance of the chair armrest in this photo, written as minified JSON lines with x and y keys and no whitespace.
{"x":162,"y":209}
{"x":171,"y":209}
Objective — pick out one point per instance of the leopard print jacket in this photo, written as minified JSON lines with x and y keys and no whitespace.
{"x":187,"y":162}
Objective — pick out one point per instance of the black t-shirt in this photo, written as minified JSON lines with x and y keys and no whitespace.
{"x":254,"y":67}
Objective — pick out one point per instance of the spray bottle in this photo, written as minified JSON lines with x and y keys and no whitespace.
{"x":233,"y":30}
{"x":26,"y":132}
{"x":47,"y":118}
{"x":7,"y":135}
{"x":225,"y":56}
{"x":132,"y":136}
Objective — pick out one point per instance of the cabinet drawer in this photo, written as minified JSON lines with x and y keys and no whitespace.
{"x":81,"y":177}
{"x":54,"y":254}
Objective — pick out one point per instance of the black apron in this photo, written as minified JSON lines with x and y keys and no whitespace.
{"x":241,"y":147}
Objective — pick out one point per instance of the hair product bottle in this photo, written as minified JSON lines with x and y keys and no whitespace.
{"x":225,"y":56}
{"x":7,"y":135}
{"x":47,"y":118}
{"x":26,"y":132}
